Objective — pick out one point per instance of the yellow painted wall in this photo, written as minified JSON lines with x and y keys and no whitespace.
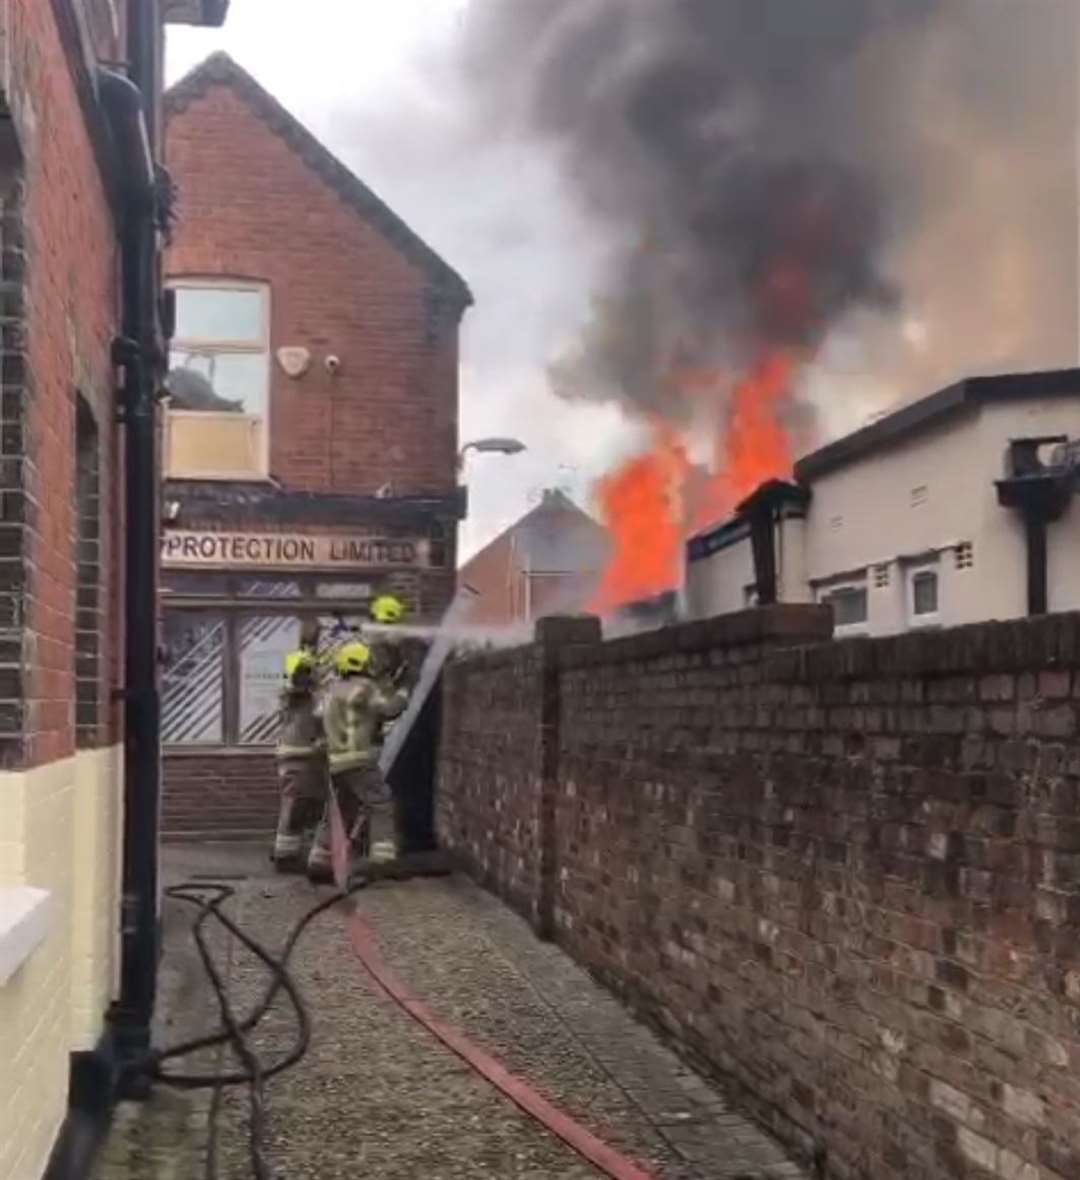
{"x":95,"y":946}
{"x":60,"y":832}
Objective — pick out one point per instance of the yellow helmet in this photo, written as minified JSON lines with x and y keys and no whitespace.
{"x":298,"y":661}
{"x":387,"y":609}
{"x":352,"y":657}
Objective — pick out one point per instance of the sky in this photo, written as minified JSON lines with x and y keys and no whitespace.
{"x":376,"y":81}
{"x":988,"y":273}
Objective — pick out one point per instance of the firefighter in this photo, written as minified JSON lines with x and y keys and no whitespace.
{"x":301,"y":760}
{"x":310,"y":642}
{"x":388,"y":663}
{"x":387,"y":610}
{"x":353,"y":710}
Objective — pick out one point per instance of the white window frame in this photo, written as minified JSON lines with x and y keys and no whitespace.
{"x":930,"y":618}
{"x":825,"y":592}
{"x":242,"y":348}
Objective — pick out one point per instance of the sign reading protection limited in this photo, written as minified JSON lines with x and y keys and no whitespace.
{"x":182,"y":549}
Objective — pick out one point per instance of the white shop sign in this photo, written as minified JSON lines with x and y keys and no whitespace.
{"x":188,"y":549}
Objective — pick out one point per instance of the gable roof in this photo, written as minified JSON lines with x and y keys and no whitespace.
{"x":542,"y":538}
{"x":930,"y":411}
{"x":549,"y":562}
{"x":221,"y":70}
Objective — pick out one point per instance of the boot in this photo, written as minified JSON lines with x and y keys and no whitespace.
{"x":320,"y":868}
{"x":287,"y":853}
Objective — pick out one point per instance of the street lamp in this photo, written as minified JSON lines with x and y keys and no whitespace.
{"x":491,"y":446}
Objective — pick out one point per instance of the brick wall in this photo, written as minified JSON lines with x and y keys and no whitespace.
{"x":58,"y":300}
{"x":846,"y":875}
{"x":490,"y":784}
{"x":251,"y":206}
{"x":58,"y":316}
{"x":219,"y":794}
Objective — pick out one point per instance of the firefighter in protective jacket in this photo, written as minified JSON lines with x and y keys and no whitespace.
{"x":354,"y":708}
{"x":301,"y":760}
{"x":388,"y":664}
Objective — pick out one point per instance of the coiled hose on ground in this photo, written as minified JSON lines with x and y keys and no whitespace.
{"x":209,"y":898}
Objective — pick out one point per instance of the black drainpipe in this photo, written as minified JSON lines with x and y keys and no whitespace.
{"x":1035,"y":526}
{"x":1041,"y":495}
{"x":762,"y":520}
{"x":761,"y":511}
{"x":130,"y":104}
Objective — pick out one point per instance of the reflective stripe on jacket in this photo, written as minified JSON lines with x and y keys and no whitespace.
{"x":352,"y":714}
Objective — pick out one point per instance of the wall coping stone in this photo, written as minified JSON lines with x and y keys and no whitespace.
{"x":760,"y":626}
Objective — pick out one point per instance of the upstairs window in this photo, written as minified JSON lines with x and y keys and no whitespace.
{"x":219,"y":381}
{"x":849,"y":604}
{"x":924,"y":597}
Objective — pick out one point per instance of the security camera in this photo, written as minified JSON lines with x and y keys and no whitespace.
{"x":333,"y":365}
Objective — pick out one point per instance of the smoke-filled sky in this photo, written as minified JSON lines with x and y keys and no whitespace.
{"x":629,"y":184}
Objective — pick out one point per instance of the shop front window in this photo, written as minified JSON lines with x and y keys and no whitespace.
{"x":193,"y":684}
{"x":263,"y":644}
{"x":225,"y":657}
{"x":219,"y":381}
{"x":224,"y":672}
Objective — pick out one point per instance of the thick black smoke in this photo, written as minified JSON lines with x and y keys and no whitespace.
{"x":762,"y":167}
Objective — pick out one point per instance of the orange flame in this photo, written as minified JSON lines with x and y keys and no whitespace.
{"x":649,"y":504}
{"x":755,"y":446}
{"x":641,"y":503}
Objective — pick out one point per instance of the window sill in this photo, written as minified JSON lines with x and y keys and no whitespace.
{"x":24,"y":924}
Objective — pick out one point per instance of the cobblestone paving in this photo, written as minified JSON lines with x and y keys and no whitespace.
{"x":377,"y":1096}
{"x":480,"y":966}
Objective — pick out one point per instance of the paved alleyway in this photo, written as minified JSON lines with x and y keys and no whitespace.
{"x":379,"y":1096}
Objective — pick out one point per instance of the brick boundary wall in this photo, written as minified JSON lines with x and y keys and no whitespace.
{"x":217,"y":794}
{"x":843,"y":875}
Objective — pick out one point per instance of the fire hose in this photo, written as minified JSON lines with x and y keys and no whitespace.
{"x":209,"y":898}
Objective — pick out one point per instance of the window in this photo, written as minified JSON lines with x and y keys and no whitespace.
{"x":849,"y":605}
{"x":223,"y":670}
{"x":924,"y":596}
{"x":219,"y":381}
{"x":263,"y":644}
{"x":192,"y":688}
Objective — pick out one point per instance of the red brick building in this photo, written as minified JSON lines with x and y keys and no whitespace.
{"x":549,"y":562}
{"x":310,"y":440}
{"x":80,"y":343}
